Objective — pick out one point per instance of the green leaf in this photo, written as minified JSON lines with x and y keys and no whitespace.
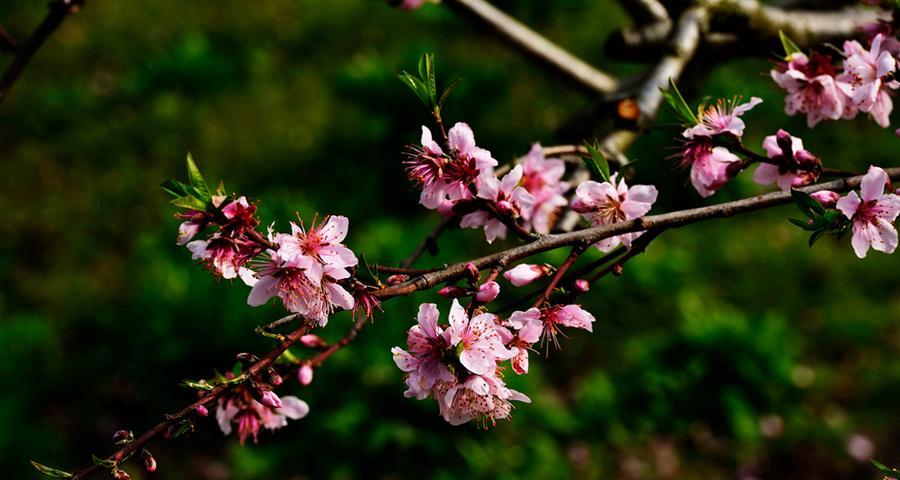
{"x":450,"y":87}
{"x":190,"y":202}
{"x":888,"y":472}
{"x":679,"y":105}
{"x":417,"y":87}
{"x":102,"y":462}
{"x":815,"y":237}
{"x":201,"y":385}
{"x":428,"y":77}
{"x":803,"y":224}
{"x":183,"y":428}
{"x":197,"y":180}
{"x":597,"y":163}
{"x":50,"y":472}
{"x":176,"y":188}
{"x":807,"y":204}
{"x":790,"y":48}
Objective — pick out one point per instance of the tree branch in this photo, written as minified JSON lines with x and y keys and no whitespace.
{"x":59,"y":10}
{"x":536,"y":46}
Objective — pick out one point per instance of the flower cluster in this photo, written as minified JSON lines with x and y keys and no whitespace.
{"x":462,"y":181}
{"x":239,"y":407}
{"x":612,"y":202}
{"x":863,"y":83}
{"x":790,"y":164}
{"x":461,"y":364}
{"x":227,"y":251}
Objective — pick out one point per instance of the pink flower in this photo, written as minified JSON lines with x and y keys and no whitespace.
{"x":296,"y":281}
{"x":322,"y":243}
{"x":194,"y":222}
{"x":424,"y":363}
{"x":866,"y":79}
{"x":613,"y":202}
{"x":250,"y":415}
{"x":554,"y":317}
{"x":793,"y":166}
{"x":445,"y":177}
{"x":225,"y":256}
{"x":811,"y":87}
{"x":487,"y":292}
{"x":528,"y":326}
{"x":826,"y":197}
{"x":305,"y":374}
{"x":523,"y":274}
{"x":477,"y":341}
{"x":711,"y":167}
{"x":482,"y":397}
{"x":873,"y":213}
{"x":542,"y":178}
{"x":722,"y":118}
{"x":506,"y":195}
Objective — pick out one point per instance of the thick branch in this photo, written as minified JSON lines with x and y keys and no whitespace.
{"x":59,"y":10}
{"x":536,"y":46}
{"x":595,"y":234}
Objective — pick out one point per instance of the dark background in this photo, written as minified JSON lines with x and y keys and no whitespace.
{"x":719,"y":328}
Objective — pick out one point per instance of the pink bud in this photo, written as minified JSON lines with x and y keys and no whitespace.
{"x":523,"y":274}
{"x":507,"y":208}
{"x":148,"y":461}
{"x":274,"y":377}
{"x":472,"y":271}
{"x":266,"y":397}
{"x":202,"y":411}
{"x":123,"y":436}
{"x":487,"y":292}
{"x":581,"y":285}
{"x":396,"y":279}
{"x":305,"y":374}
{"x":826,"y":197}
{"x":452,"y":291}
{"x":617,"y":269}
{"x":312,"y":340}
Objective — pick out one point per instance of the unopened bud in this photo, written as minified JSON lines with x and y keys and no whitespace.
{"x":396,"y":279}
{"x":507,"y":208}
{"x":472,"y":272}
{"x":452,"y":291}
{"x":247,"y":357}
{"x":202,"y":411}
{"x":785,"y":143}
{"x":487,"y":292}
{"x":312,"y":340}
{"x":617,"y":269}
{"x":274,"y":378}
{"x":148,"y":461}
{"x":581,"y":285}
{"x":265,"y":397}
{"x":123,"y":436}
{"x":826,"y":197}
{"x":305,"y":374}
{"x":119,"y":474}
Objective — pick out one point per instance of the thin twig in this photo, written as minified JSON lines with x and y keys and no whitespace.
{"x":59,"y":10}
{"x":577,"y":251}
{"x":429,"y":243}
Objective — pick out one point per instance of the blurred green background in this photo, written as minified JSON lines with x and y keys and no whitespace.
{"x":728,"y":350}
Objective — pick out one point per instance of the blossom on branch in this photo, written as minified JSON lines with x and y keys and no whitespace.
{"x":868,"y":78}
{"x":523,"y":274}
{"x":612,"y":202}
{"x":249,"y":415}
{"x":542,"y":178}
{"x":507,"y":198}
{"x":812,"y":88}
{"x":792,"y":166}
{"x":873,"y":213}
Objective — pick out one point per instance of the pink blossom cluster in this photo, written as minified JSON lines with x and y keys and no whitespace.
{"x":249,"y":415}
{"x":865,"y":82}
{"x":227,"y":251}
{"x":461,"y":364}
{"x":461,"y":181}
{"x":304,"y":270}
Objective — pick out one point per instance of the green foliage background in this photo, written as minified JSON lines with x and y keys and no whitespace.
{"x":294,"y":102}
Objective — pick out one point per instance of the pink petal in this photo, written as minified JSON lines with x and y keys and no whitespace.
{"x":872,"y":185}
{"x":849,"y":204}
{"x":461,"y":138}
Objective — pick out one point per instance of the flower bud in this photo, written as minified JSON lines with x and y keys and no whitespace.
{"x":452,"y":291}
{"x":123,"y":437}
{"x":581,"y":285}
{"x":273,"y":376}
{"x":785,"y":143}
{"x":617,"y":269}
{"x":312,"y":340}
{"x":523,"y":274}
{"x":148,"y":461}
{"x":826,"y":197}
{"x":472,"y":272}
{"x":202,"y":411}
{"x":247,"y":357}
{"x":507,"y":208}
{"x":396,"y":279}
{"x":487,"y":292}
{"x":265,"y":397}
{"x":305,"y":374}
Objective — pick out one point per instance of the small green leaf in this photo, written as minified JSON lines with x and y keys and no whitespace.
{"x":803,"y":224}
{"x":196,"y":179}
{"x":417,"y":87}
{"x":102,"y":462}
{"x":50,"y":472}
{"x":597,"y":163}
{"x":201,"y":385}
{"x":790,"y":48}
{"x":183,"y":428}
{"x":679,"y":105}
{"x":815,"y":237}
{"x":888,"y":472}
{"x":807,"y":204}
{"x":189,"y":202}
{"x":450,"y":88}
{"x":176,"y":188}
